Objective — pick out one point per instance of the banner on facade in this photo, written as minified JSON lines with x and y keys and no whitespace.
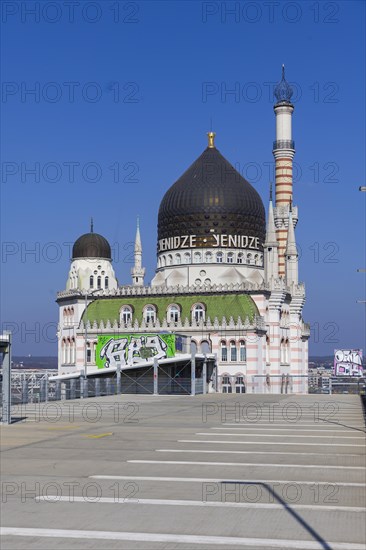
{"x":348,"y":362}
{"x":131,"y":349}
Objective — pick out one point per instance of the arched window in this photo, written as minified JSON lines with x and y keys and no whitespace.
{"x":230,"y":258}
{"x":256,"y":259}
{"x":226,"y":384}
{"x":208,"y":257}
{"x":91,"y":281}
{"x":163,"y":261}
{"x":243,"y":351}
{"x":72,"y":358}
{"x":239,"y":383}
{"x":170,"y":259}
{"x":197,"y":257}
{"x":219,"y":257}
{"x":198,"y":313}
{"x":106,"y":282}
{"x":149,"y":314}
{"x":240,"y":258}
{"x":205,"y":347}
{"x":287,"y":346}
{"x":178,"y":259}
{"x":99,"y":282}
{"x":223,"y":351}
{"x":249,"y":258}
{"x":88,"y":353}
{"x":233,"y":351}
{"x":68,"y":351}
{"x":282,"y":350}
{"x":193,"y":347}
{"x":126,"y":315}
{"x":267,"y":349}
{"x":187,"y":258}
{"x":63,"y":348}
{"x":173,"y":314}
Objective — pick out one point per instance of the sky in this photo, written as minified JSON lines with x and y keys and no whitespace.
{"x":106,"y":103}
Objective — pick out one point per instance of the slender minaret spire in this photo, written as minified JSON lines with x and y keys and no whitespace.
{"x":270,"y":245}
{"x":91,"y":225}
{"x":292,"y":257}
{"x":138,"y":272}
{"x":283,"y":152}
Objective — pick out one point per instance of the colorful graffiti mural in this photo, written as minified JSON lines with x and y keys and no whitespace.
{"x":348,"y":362}
{"x":131,"y":349}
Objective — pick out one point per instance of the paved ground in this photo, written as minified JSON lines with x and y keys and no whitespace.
{"x":218,"y":471}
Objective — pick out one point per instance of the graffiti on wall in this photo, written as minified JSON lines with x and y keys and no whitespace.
{"x":348,"y":362}
{"x":131,"y":349}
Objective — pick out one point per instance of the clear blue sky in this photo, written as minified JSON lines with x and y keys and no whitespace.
{"x":146,"y":82}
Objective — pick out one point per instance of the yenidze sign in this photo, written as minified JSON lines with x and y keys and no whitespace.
{"x":130,"y":349}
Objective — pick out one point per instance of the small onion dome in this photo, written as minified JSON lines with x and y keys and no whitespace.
{"x":91,"y":245}
{"x":283,"y":91}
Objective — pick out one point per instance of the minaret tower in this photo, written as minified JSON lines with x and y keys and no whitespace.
{"x":283,"y":152}
{"x":138,"y":272}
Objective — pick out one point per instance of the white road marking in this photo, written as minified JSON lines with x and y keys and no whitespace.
{"x":256,"y":464}
{"x":274,"y":424}
{"x":199,"y":503}
{"x":176,"y":538}
{"x":282,"y":435}
{"x":225,"y":480}
{"x":274,"y":428}
{"x":251,"y":452}
{"x":296,"y":444}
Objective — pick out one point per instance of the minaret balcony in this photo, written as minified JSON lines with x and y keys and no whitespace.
{"x":283,"y":144}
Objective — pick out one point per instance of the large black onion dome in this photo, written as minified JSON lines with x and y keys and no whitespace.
{"x":211,"y":197}
{"x":283,"y":91}
{"x":91,"y":245}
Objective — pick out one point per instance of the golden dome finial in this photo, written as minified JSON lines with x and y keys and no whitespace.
{"x":211,"y":139}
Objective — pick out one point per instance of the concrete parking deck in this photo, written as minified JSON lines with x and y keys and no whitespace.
{"x":145,"y":472}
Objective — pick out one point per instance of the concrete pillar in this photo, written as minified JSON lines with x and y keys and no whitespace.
{"x":58,"y":390}
{"x":72,"y":388}
{"x":24,"y":391}
{"x":193,"y":374}
{"x":118,"y":378}
{"x":6,"y":385}
{"x":204,"y":376}
{"x":97,"y":386}
{"x":156,"y":379}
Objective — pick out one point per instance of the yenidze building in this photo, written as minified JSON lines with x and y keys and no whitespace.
{"x":225,"y":304}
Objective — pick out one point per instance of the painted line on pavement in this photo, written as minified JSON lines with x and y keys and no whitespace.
{"x":199,"y":503}
{"x":281,"y":435}
{"x":177,"y":538}
{"x":194,"y":463}
{"x":250,"y":452}
{"x":297,"y":444}
{"x":225,"y":480}
{"x":250,"y":428}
